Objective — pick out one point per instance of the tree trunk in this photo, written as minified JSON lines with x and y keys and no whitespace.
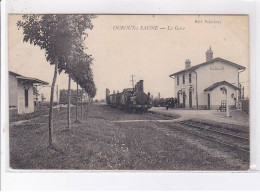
{"x":81,"y":107}
{"x":51,"y":102}
{"x":77,"y":104}
{"x":86,"y":104}
{"x":69,"y":95}
{"x":58,"y":104}
{"x":89,"y":99}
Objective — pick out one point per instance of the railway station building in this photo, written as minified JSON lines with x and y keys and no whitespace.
{"x":209,"y":85}
{"x":21,"y":97}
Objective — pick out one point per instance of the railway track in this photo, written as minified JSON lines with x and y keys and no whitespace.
{"x":237,"y":131}
{"x":235,"y":141}
{"x":209,"y":128}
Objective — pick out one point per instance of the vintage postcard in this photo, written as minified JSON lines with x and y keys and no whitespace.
{"x":129,"y":92}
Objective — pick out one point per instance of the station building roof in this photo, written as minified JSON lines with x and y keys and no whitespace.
{"x":29,"y":79}
{"x":215,"y":85}
{"x":192,"y":68}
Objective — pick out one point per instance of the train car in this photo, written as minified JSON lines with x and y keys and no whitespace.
{"x":130,"y":99}
{"x":159,"y":102}
{"x":170,"y":102}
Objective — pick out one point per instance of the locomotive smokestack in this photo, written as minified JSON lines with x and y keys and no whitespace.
{"x":107,"y":92}
{"x":136,"y":87}
{"x":141,"y":86}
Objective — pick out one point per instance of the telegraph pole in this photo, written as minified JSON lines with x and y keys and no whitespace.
{"x":227,"y":103}
{"x":132,"y":80}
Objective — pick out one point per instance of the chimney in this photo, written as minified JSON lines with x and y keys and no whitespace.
{"x":187,"y":64}
{"x":209,"y":54}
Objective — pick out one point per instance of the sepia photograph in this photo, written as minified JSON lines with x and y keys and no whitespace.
{"x":129,"y":92}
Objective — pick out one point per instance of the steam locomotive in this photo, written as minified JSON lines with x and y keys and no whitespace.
{"x":131,"y":99}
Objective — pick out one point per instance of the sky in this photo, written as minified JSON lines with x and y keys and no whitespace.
{"x":154,"y":47}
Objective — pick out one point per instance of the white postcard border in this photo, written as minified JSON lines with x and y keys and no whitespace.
{"x":136,"y":180}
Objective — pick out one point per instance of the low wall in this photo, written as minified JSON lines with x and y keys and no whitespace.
{"x":245,"y":106}
{"x":13,"y":112}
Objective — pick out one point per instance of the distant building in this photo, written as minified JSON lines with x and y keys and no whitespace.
{"x":73,"y":94}
{"x":21,"y":97}
{"x":207,"y":85}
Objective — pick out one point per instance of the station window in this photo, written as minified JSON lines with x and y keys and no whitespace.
{"x":190,"y":78}
{"x":178,"y":81}
{"x":26,"y":97}
{"x":183,"y":79}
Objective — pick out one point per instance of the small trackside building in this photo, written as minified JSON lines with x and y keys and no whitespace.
{"x":209,"y":84}
{"x":21,"y":97}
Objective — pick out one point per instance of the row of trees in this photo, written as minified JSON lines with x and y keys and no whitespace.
{"x":63,"y":96}
{"x":62,"y":38}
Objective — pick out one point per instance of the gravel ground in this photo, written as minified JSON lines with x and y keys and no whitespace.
{"x":137,"y":142}
{"x":238,"y":117}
